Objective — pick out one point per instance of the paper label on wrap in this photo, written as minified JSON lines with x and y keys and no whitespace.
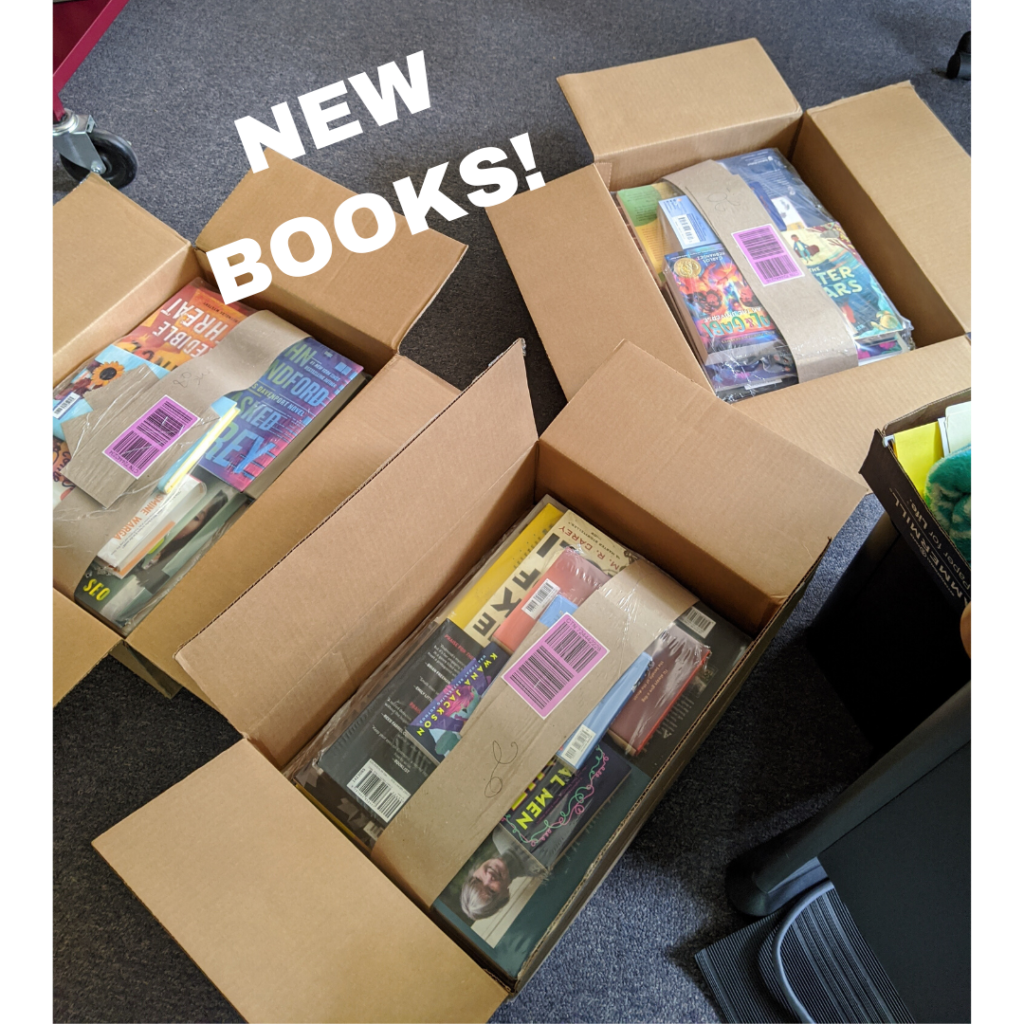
{"x":549,"y":671}
{"x":767,"y":255}
{"x":138,"y":447}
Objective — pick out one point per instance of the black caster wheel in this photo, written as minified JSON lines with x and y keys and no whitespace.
{"x":119,"y":159}
{"x":959,"y":65}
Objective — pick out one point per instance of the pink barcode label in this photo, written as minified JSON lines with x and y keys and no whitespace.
{"x":768,"y":256}
{"x":136,"y":448}
{"x":547,"y":673}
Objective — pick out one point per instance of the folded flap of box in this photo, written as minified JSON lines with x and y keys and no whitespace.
{"x":113,"y":264}
{"x":734,"y":511}
{"x":79,"y":642}
{"x":656,"y":116}
{"x":584,"y":281}
{"x":366,"y":300}
{"x":893,"y":175}
{"x":282,"y":912}
{"x":835,"y":417}
{"x":388,"y":412}
{"x":281,"y":659}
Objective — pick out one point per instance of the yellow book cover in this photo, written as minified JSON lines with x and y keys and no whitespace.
{"x":506,"y":563}
{"x":917,"y":450}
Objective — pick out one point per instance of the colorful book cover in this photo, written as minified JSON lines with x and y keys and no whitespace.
{"x":820,"y":243}
{"x":300,"y":384}
{"x":570,"y":575}
{"x":439,"y":728}
{"x":560,"y":803}
{"x":190,"y":323}
{"x":520,"y":902}
{"x":710,"y":291}
{"x":676,"y":657}
{"x":375,"y":764}
{"x":727,"y":645}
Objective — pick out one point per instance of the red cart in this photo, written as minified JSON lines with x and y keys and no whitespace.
{"x":82,"y":147}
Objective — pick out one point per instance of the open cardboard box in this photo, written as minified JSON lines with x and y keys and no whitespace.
{"x":908,"y":511}
{"x":114,"y":263}
{"x":278,"y":907}
{"x":881,"y":162}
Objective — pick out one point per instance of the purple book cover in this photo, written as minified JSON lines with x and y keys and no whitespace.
{"x":300,"y":383}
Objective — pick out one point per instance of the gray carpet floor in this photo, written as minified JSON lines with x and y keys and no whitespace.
{"x":172,"y":78}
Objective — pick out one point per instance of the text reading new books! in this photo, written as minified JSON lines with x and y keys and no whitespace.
{"x":546,"y":674}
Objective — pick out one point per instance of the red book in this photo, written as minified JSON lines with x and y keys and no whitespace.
{"x":570,"y":575}
{"x":675,"y":659}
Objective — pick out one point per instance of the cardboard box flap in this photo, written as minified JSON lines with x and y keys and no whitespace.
{"x":835,"y":417}
{"x":79,"y":642}
{"x":585,"y":283}
{"x":281,"y":659}
{"x":735,"y":512}
{"x":282,"y":912}
{"x":366,"y":300}
{"x":891,"y":173}
{"x":113,"y":264}
{"x":369,"y":431}
{"x":657,"y":116}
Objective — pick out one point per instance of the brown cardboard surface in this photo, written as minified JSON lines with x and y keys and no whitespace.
{"x":653,"y":117}
{"x":389,"y":410}
{"x":281,"y":659}
{"x":354,"y":299}
{"x":286,"y":917}
{"x":508,"y":737}
{"x":816,"y":332}
{"x":835,"y":417}
{"x":900,"y":184}
{"x":113,"y":264}
{"x":584,"y":281}
{"x":79,"y":642}
{"x":732,"y":510}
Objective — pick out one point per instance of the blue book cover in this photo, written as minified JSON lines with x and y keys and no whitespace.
{"x":299,"y":385}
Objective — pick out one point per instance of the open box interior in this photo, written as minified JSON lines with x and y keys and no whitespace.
{"x":115,"y":263}
{"x":881,"y":162}
{"x":257,"y":885}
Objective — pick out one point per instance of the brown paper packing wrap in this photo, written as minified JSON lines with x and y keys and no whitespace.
{"x":106,"y":495}
{"x":506,"y":743}
{"x":807,"y":318}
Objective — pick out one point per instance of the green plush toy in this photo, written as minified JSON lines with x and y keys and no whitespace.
{"x":948,"y":495}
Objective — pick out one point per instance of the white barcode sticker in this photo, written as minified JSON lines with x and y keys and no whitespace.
{"x":62,"y":407}
{"x":578,"y":745}
{"x":768,"y":256}
{"x":547,"y":673}
{"x":373,"y":830}
{"x":700,"y":623}
{"x":378,"y":790}
{"x":543,"y":596}
{"x":684,"y":230}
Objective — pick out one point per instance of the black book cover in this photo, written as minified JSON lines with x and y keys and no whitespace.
{"x":375,"y":766}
